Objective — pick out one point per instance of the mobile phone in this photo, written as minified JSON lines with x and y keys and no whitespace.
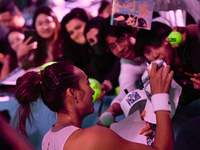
{"x":28,"y":33}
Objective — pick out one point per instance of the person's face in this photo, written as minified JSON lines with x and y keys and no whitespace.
{"x":164,"y":52}
{"x":85,"y":93}
{"x":75,"y":28}
{"x":121,"y":47}
{"x":45,"y":26}
{"x":106,"y":12}
{"x":91,"y":36}
{"x":15,"y":38}
{"x":8,"y":20}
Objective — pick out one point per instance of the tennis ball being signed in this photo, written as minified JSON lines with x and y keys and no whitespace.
{"x":175,"y":38}
{"x":95,"y":85}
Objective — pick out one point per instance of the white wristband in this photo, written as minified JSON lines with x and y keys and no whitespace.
{"x":161,"y":102}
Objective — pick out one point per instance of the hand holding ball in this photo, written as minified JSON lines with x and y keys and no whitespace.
{"x":175,"y":38}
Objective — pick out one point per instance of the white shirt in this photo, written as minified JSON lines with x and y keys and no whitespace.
{"x":57,"y":136}
{"x":130,"y":72}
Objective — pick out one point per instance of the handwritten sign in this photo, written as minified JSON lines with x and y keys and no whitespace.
{"x":132,"y":13}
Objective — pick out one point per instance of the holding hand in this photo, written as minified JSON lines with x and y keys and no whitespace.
{"x":190,"y":31}
{"x":106,"y":87}
{"x":196,"y":81}
{"x":25,"y":48}
{"x":147,"y":130}
{"x":160,"y":81}
{"x":184,"y":33}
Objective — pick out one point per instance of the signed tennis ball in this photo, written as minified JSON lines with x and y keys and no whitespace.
{"x":95,"y":85}
{"x":175,"y":38}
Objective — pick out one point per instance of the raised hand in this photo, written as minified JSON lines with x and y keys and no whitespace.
{"x":25,"y":48}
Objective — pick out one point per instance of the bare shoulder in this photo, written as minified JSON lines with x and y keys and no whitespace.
{"x":98,"y":138}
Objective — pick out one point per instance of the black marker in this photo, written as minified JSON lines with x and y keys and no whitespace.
{"x":148,"y":76}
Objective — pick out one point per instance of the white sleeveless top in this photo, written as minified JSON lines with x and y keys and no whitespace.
{"x":56,"y":137}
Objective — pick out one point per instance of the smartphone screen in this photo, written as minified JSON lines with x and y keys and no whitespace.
{"x":28,"y":33}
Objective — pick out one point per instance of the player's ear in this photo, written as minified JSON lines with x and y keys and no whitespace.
{"x":71,"y":93}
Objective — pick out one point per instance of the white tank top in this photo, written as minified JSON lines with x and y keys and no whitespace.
{"x":56,"y":137}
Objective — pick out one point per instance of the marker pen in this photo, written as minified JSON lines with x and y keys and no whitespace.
{"x":148,"y":76}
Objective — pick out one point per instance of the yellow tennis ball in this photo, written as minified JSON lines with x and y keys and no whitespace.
{"x":45,"y":65}
{"x":175,"y":38}
{"x":117,"y":90}
{"x":95,"y":85}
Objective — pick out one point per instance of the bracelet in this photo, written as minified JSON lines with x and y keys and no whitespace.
{"x":161,"y":102}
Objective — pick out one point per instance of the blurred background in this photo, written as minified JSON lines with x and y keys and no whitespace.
{"x":44,"y":117}
{"x":61,"y":7}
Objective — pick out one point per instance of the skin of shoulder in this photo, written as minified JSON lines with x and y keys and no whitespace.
{"x":100,"y":138}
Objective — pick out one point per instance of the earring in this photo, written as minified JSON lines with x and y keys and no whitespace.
{"x":76,"y":100}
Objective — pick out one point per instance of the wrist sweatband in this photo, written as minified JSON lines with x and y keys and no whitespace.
{"x":161,"y":102}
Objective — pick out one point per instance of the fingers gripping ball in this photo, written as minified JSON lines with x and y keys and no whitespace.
{"x":107,"y":119}
{"x":95,"y":85}
{"x":175,"y":38}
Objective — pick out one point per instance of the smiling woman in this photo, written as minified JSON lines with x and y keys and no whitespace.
{"x":75,"y":28}
{"x":74,"y":46}
{"x":45,"y":26}
{"x":47,"y":36}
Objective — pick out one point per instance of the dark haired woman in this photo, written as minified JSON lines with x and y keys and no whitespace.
{"x":65,"y":89}
{"x":74,"y":46}
{"x":47,"y":35}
